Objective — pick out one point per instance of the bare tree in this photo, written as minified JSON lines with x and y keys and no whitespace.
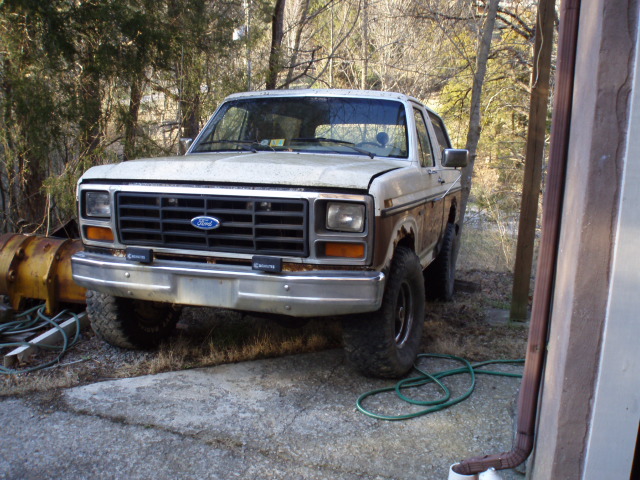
{"x":298,"y":28}
{"x":473,"y":135}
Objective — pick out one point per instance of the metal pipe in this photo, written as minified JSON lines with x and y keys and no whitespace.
{"x":543,"y":293}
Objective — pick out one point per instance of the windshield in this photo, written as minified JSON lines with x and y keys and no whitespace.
{"x":308,"y":124}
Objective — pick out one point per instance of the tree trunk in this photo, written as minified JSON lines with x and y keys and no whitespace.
{"x":189,"y":95}
{"x":275,"y":54}
{"x":91,"y":108}
{"x":190,"y":114}
{"x":365,"y":45}
{"x":24,"y":168}
{"x":131,"y":121}
{"x":192,"y":117}
{"x":7,"y":147}
{"x":473,"y":135}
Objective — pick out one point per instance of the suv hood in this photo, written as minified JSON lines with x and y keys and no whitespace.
{"x":281,"y":168}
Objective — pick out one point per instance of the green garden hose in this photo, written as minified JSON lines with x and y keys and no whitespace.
{"x":32,"y":320}
{"x":425,"y":378}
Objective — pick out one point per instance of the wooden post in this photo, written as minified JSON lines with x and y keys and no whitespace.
{"x":533,"y":160}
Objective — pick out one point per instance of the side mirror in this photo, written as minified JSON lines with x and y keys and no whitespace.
{"x":184,"y":145}
{"x":455,"y":157}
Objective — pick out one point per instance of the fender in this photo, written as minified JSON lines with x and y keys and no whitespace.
{"x":392,"y":232}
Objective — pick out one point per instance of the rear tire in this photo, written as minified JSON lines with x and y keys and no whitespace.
{"x":440,"y":275}
{"x":385,"y":343}
{"x":129,"y":323}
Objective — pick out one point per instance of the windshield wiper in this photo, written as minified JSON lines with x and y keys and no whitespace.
{"x":336,"y":141}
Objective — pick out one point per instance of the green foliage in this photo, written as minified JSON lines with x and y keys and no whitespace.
{"x":96,"y":81}
{"x":74,"y":79}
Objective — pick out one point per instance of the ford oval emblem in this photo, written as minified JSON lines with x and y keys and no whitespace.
{"x":205,"y":223}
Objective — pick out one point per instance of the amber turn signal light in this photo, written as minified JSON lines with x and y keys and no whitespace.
{"x":350,"y":250}
{"x":100,"y":234}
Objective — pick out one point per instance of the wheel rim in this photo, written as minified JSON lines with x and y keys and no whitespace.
{"x":403,"y":314}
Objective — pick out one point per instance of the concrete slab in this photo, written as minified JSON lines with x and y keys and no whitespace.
{"x":290,"y":417}
{"x":63,"y":445}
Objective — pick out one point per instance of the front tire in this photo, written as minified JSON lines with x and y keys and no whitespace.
{"x":385,"y":343}
{"x":129,"y":323}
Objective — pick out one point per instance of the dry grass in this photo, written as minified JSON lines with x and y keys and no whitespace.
{"x":30,"y":383}
{"x":207,"y":337}
{"x":468,"y":326}
{"x":211,"y":338}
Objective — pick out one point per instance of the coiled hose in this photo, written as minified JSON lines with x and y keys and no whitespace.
{"x":424,"y":378}
{"x":32,"y":320}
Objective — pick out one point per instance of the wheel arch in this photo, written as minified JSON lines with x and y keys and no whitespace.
{"x":402,"y":234}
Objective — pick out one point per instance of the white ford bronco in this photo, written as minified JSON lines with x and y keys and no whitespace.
{"x":294,"y":203}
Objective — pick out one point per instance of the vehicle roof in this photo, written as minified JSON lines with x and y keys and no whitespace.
{"x":327,"y":92}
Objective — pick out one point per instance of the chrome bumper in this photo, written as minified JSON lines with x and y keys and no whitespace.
{"x":299,"y":294}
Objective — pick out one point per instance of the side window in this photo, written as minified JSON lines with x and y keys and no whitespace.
{"x":441,"y":133}
{"x":424,"y":145}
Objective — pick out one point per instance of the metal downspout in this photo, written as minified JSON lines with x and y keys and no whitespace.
{"x":543,"y":293}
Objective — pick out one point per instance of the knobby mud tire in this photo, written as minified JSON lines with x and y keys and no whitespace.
{"x":385,"y":343}
{"x":128,"y":323}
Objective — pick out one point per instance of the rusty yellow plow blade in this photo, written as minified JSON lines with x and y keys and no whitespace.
{"x":39,"y":268}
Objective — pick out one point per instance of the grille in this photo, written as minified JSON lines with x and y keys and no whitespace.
{"x":247,"y":225}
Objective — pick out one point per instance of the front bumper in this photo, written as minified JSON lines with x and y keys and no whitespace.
{"x":299,"y":294}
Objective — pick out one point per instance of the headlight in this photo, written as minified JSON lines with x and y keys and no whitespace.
{"x":97,"y":204}
{"x":345,"y":217}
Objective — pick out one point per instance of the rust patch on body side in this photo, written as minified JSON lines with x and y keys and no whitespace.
{"x":386,"y":230}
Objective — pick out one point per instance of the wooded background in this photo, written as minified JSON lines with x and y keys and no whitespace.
{"x":92,"y":82}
